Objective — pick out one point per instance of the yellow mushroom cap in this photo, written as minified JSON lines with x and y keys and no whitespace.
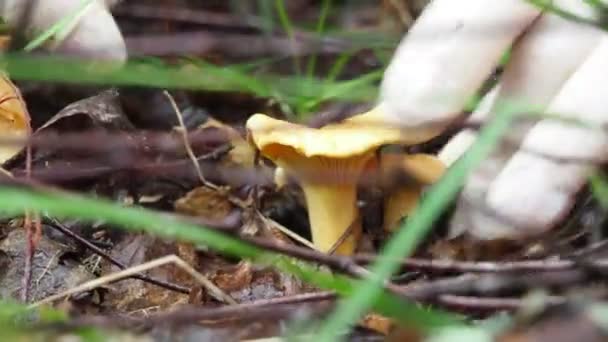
{"x":422,"y":168}
{"x":354,"y":136}
{"x":14,"y":118}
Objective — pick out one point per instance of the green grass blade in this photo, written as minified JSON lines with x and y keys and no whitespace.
{"x":56,"y":29}
{"x":288,"y":28}
{"x":325,"y":9}
{"x":599,"y":188}
{"x":187,"y":76}
{"x":338,"y":66}
{"x":417,"y":226}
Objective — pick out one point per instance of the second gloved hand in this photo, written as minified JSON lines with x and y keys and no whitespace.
{"x":555,"y":66}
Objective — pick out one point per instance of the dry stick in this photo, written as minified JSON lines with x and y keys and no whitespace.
{"x":132,"y":271}
{"x":184,"y":133}
{"x":285,"y":230}
{"x":443,"y":265}
{"x":48,"y":267}
{"x":185,"y":15}
{"x":29,"y":256}
{"x":344,"y":235}
{"x":239,"y":311}
{"x":340,"y":263}
{"x":346,"y":264}
{"x":488,"y":284}
{"x":256,"y":310}
{"x":560,"y":272}
{"x":66,"y":231}
{"x":32,"y":236}
{"x":492,"y":303}
{"x":587,"y":251}
{"x":273,"y":308}
{"x":175,"y":168}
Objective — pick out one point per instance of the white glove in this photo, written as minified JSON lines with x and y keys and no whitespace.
{"x":94,"y":35}
{"x":556,"y":65}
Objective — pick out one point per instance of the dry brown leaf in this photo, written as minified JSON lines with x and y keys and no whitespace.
{"x":242,"y":153}
{"x":14,"y":118}
{"x":205,"y":203}
{"x":100,"y":111}
{"x":246,"y":282}
{"x":234,"y":279}
{"x":377,"y":323}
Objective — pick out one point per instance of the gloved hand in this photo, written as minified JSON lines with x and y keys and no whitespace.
{"x":556,"y":65}
{"x":94,"y":35}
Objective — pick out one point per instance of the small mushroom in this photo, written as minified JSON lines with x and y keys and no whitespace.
{"x":327,"y":162}
{"x":403,"y":194}
{"x":280,"y":178}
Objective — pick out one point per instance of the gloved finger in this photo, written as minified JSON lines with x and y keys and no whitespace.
{"x":538,"y":67}
{"x":545,"y":186}
{"x":461,"y":142}
{"x":536,"y":76}
{"x":93,"y":35}
{"x":446,"y":56}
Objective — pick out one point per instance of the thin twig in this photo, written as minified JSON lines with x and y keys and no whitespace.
{"x":587,"y":251}
{"x":46,"y":269}
{"x":346,"y":234}
{"x":274,"y":308}
{"x":32,"y":234}
{"x":132,"y":271}
{"x":184,"y":133}
{"x":488,"y":284}
{"x":285,"y":230}
{"x":239,"y":311}
{"x":29,"y":256}
{"x":492,"y":303}
{"x":66,"y":231}
{"x":443,"y":265}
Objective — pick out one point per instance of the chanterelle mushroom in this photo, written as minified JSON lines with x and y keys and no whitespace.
{"x":327,"y":163}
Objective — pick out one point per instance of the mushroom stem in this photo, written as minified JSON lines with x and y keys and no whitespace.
{"x":399,"y":205}
{"x":332,"y":209}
